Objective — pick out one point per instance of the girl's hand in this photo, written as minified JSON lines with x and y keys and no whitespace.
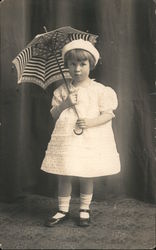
{"x":85,"y":123}
{"x":100,"y":120}
{"x":72,"y":98}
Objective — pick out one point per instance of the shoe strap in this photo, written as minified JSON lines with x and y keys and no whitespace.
{"x":85,"y":210}
{"x":62,"y":212}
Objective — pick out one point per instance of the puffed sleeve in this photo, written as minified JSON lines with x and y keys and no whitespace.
{"x":108,"y":100}
{"x":56,"y":100}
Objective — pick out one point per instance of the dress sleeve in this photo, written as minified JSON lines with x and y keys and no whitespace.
{"x":56,"y":100}
{"x":108,"y":100}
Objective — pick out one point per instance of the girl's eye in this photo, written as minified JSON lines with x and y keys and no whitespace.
{"x":83,"y":63}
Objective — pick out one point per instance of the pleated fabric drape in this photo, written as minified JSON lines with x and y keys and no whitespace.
{"x":126,"y":44}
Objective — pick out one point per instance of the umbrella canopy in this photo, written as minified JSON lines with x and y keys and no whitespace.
{"x":41,"y":61}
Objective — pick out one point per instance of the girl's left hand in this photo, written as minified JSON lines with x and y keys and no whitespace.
{"x":84,"y":123}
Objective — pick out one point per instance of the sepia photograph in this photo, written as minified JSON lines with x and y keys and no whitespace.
{"x":78,"y":124}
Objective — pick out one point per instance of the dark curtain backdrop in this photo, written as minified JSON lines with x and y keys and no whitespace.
{"x":127,"y":47}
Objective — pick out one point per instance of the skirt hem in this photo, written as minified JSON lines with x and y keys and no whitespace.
{"x":79,"y":175}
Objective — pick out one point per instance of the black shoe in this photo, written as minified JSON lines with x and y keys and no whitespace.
{"x":52,"y":221}
{"x":84,"y":222}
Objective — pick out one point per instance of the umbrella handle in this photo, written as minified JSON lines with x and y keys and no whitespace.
{"x":78,"y":132}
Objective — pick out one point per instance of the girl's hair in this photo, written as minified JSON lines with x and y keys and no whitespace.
{"x":79,"y":55}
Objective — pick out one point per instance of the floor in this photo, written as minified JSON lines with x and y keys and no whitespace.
{"x":117,"y":223}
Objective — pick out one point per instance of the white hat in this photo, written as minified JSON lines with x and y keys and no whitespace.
{"x":81,"y":44}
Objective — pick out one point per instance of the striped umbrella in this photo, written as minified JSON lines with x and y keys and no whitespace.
{"x":41,"y":62}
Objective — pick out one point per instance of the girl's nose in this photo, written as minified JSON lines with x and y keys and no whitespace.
{"x":77,"y":67}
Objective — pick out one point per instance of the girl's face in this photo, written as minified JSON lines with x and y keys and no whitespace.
{"x":79,"y":70}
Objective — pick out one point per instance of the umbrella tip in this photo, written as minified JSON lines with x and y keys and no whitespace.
{"x":45,"y":29}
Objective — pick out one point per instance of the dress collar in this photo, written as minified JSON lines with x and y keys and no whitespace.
{"x":72,"y":87}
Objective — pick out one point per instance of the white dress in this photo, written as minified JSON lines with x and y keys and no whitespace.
{"x":93,"y":153}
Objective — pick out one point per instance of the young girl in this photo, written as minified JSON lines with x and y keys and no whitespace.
{"x":91,"y":154}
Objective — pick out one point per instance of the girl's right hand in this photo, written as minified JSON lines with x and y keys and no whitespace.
{"x":72,"y":98}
